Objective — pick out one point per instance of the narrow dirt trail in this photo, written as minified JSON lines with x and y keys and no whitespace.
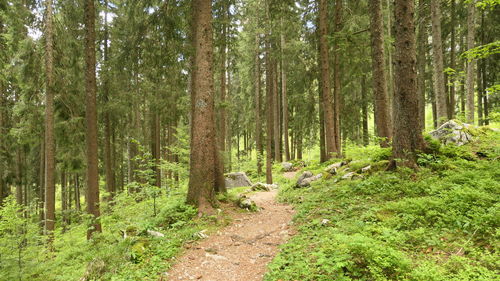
{"x":242,"y":250}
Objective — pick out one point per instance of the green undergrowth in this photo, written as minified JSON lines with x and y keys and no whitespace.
{"x":439,"y":223}
{"x":108,"y":256}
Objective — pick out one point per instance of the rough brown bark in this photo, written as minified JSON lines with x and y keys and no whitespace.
{"x":407,"y":136}
{"x":471,"y":29}
{"x":221,"y":136}
{"x":421,"y":61}
{"x":381,"y":106}
{"x":438,"y":70}
{"x":327,"y":102}
{"x":91,"y":120}
{"x":203,"y":164}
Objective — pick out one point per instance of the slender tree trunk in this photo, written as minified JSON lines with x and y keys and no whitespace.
{"x":108,"y":159}
{"x":276,"y":110}
{"x":3,"y":185}
{"x":438,"y":73}
{"x":258,"y":122}
{"x":19,"y":177}
{"x":381,"y":105}
{"x":390,"y":64}
{"x":284,"y":97}
{"x":481,"y":92}
{"x":41,"y":189}
{"x":452,"y":100}
{"x":337,"y":86}
{"x":471,"y":21}
{"x":421,"y":61}
{"x":203,"y":164}
{"x":269,"y":101}
{"x":64,"y":199}
{"x":364,"y":112}
{"x":407,"y":136}
{"x":77,"y":193}
{"x":327,"y":102}
{"x":322,"y":140}
{"x":91,"y":120}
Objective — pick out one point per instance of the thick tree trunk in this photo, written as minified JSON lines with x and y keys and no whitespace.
{"x":91,"y":120}
{"x":327,"y":102}
{"x":471,"y":21}
{"x":407,"y":136}
{"x":204,"y":154}
{"x":438,"y":70}
{"x":381,"y":105}
{"x":421,"y":61}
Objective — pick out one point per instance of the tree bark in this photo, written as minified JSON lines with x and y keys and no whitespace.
{"x":407,"y":136}
{"x":108,"y":159}
{"x":284,"y":97}
{"x":471,"y":21}
{"x":269,"y":101}
{"x":276,"y":109}
{"x":203,"y":164}
{"x":451,"y":98}
{"x":258,"y":122}
{"x":91,"y":121}
{"x":381,"y":106}
{"x":421,"y":61}
{"x":364,"y":112}
{"x":438,"y":73}
{"x":327,"y":102}
{"x":337,"y":86}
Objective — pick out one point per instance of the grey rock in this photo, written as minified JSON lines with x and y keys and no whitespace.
{"x":246,"y":203}
{"x":237,"y":179}
{"x":287,"y":166}
{"x":452,"y":132}
{"x":307,"y":178}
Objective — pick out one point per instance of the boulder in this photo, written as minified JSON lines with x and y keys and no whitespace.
{"x":332,"y":169}
{"x":264,"y":186}
{"x":452,"y":132}
{"x":246,"y":203}
{"x":287,"y":166}
{"x":307,"y":178}
{"x":237,"y":179}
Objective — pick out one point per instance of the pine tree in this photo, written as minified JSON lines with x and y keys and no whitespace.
{"x":91,"y":120}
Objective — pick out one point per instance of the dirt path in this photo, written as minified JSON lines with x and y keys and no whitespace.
{"x":242,"y":250}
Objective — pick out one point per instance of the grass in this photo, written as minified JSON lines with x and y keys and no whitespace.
{"x":440,"y":223}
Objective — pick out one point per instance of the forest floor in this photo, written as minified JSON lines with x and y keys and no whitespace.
{"x":242,"y":250}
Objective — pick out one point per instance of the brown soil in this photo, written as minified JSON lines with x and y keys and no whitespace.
{"x":242,"y":250}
